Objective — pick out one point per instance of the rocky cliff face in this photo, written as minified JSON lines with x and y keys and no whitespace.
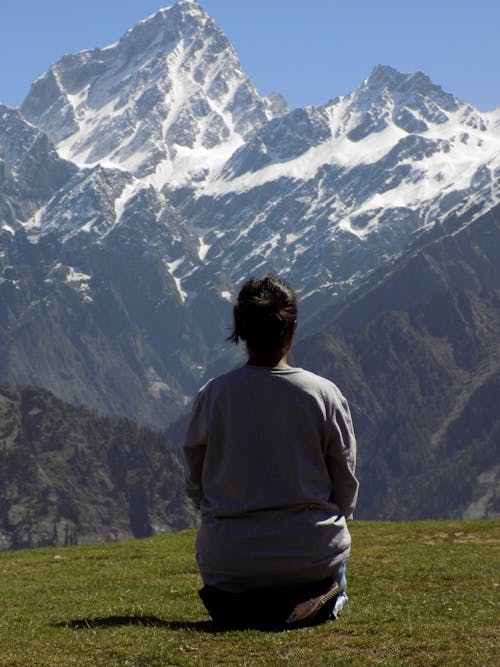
{"x":30,"y":170}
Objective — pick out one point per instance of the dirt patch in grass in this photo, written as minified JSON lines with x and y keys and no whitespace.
{"x":459,"y":537}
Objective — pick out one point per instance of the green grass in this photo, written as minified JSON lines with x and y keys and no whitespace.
{"x":422,"y":593}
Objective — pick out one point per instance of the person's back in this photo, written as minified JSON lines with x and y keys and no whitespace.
{"x":270,"y":457}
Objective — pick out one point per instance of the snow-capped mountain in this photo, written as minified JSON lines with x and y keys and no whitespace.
{"x":171,"y":94}
{"x":261,"y":186}
{"x":312,"y":186}
{"x":164,"y":179}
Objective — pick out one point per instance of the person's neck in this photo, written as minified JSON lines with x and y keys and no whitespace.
{"x":274,"y":358}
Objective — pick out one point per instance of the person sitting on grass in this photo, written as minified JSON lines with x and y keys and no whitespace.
{"x":270,"y":459}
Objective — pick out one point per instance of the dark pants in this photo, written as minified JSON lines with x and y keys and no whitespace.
{"x":276,"y":608}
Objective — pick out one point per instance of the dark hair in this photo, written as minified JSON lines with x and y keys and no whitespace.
{"x":265,"y":313}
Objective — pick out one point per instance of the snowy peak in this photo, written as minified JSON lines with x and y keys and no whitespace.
{"x":171,"y":88}
{"x":163,"y":32}
{"x":399,"y":84}
{"x":411,"y":101}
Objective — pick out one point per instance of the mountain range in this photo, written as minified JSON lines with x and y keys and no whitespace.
{"x":141,"y":183}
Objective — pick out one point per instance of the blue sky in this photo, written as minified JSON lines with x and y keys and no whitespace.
{"x":308,"y":50}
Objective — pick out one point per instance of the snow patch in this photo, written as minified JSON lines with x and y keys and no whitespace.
{"x":156,"y":386}
{"x":74,"y":276}
{"x":203,"y":248}
{"x":121,"y":201}
{"x":171,"y":268}
{"x":78,"y":281}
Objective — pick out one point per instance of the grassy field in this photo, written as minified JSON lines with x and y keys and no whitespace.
{"x":422,"y":593}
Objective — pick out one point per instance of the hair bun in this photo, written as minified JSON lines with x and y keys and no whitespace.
{"x":265,"y":312}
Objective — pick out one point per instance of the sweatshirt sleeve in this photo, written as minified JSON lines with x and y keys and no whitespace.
{"x":194,"y":450}
{"x":341,"y":458}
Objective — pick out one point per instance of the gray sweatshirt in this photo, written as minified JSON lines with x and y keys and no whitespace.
{"x":270,"y":457}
